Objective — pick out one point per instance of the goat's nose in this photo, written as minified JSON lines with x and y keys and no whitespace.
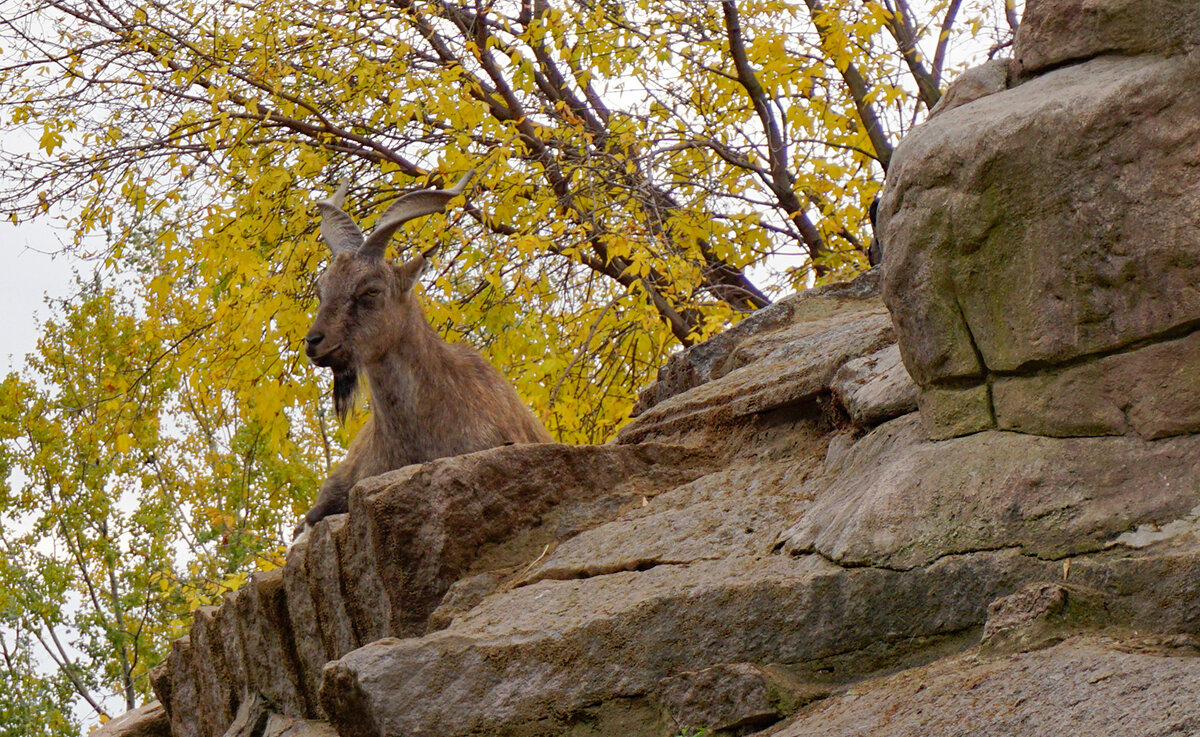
{"x":314,"y":338}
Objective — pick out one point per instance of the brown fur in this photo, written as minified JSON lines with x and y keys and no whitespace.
{"x":429,"y":398}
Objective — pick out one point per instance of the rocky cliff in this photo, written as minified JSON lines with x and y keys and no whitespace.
{"x":780,"y":543}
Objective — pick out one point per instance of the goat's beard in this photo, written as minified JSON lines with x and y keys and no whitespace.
{"x":345,"y":390}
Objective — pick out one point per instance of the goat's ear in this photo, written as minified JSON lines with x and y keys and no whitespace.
{"x":411,"y":271}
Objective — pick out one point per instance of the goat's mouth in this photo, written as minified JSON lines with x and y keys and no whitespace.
{"x":334,"y":358}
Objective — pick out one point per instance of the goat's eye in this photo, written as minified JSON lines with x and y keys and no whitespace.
{"x":368,"y":295}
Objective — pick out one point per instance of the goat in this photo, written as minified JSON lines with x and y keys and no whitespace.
{"x":429,"y":398}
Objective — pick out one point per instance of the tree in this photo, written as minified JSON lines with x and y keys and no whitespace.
{"x":138,"y":499}
{"x":642,"y":164}
{"x":639,"y":156}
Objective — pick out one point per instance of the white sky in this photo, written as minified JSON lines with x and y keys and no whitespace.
{"x":28,"y":273}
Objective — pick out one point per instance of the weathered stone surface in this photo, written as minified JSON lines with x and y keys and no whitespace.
{"x":1157,"y":591}
{"x":214,"y":685}
{"x":952,"y":412}
{"x":1027,"y":229}
{"x":462,"y":596}
{"x":279,"y":725}
{"x":1085,"y":686}
{"x":733,"y":511}
{"x":324,"y":573}
{"x":875,"y":388}
{"x":1153,"y":392}
{"x":790,"y":370}
{"x":548,"y":649}
{"x":733,"y":348}
{"x":302,"y":614}
{"x":185,"y":707}
{"x":898,"y":500}
{"x":160,"y":682}
{"x":423,"y":526}
{"x":723,"y":697}
{"x":986,"y":79}
{"x":1042,"y":614}
{"x":257,"y":718}
{"x":251,"y":717}
{"x":149,"y":720}
{"x":1186,"y":528}
{"x":226,"y":626}
{"x":268,"y":652}
{"x":1055,"y":32}
{"x":363,"y":591}
{"x":274,"y":636}
{"x":244,"y":647}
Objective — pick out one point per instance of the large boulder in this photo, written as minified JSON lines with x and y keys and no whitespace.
{"x":1049,"y":225}
{"x":535,"y":659}
{"x":779,"y":325}
{"x":1057,"y":32}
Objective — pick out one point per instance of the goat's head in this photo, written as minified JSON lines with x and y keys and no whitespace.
{"x":365,"y":298}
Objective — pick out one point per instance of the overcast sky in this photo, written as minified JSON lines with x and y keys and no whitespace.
{"x":27,"y":274}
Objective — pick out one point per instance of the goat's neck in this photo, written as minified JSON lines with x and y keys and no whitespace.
{"x":402,"y":381}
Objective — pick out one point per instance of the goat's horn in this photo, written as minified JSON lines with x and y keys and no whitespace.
{"x":410,"y":206}
{"x":338,"y":229}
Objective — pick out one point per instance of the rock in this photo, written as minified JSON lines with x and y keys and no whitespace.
{"x":543,"y":652}
{"x":1057,"y":32}
{"x":732,"y":511}
{"x":251,"y":718}
{"x":149,"y":720}
{"x":323,"y":570}
{"x":183,"y":706}
{"x":899,"y":500}
{"x":422,"y":527}
{"x":875,"y":388}
{"x":1027,"y":231}
{"x":302,"y":613}
{"x":1085,"y":686}
{"x":462,"y":596}
{"x":790,"y":369}
{"x":268,"y":651}
{"x":226,"y":630}
{"x":361,"y":587}
{"x":214,"y":681}
{"x":1143,"y":536}
{"x":279,"y":725}
{"x":1042,"y":614}
{"x":986,"y":79}
{"x":715,"y":357}
{"x":953,"y":412}
{"x":733,"y":696}
{"x":160,"y":681}
{"x":1152,"y":392}
{"x":413,"y":533}
{"x":256,"y":718}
